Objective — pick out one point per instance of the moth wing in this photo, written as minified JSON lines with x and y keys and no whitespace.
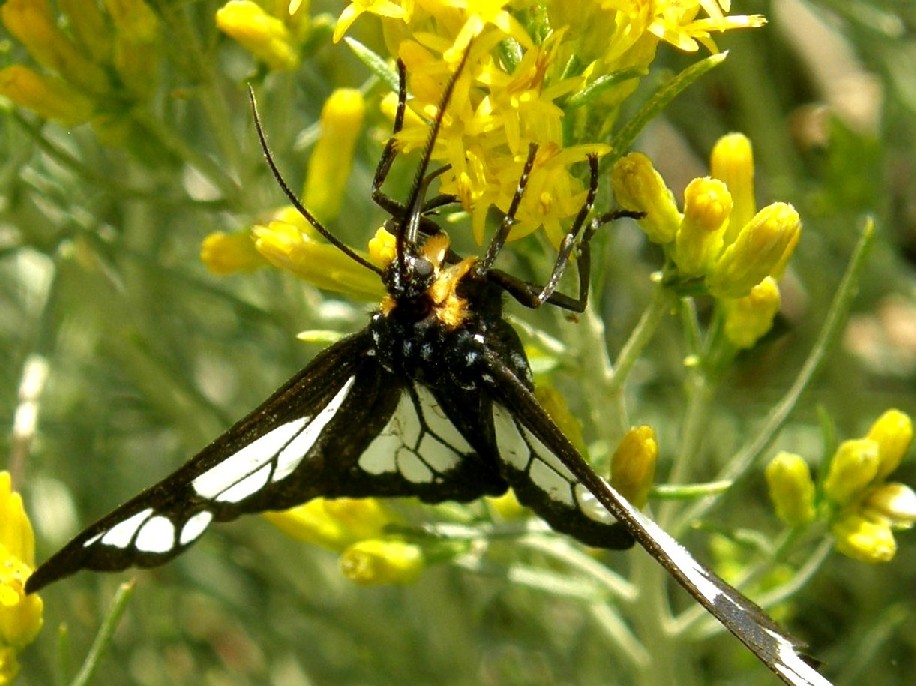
{"x":542,"y":461}
{"x":341,"y":427}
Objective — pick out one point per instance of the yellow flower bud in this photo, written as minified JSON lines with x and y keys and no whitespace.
{"x":228,"y":253}
{"x":894,"y":502}
{"x":747,"y":319}
{"x":555,"y":405}
{"x":382,"y":561}
{"x":332,"y":157}
{"x":637,"y":186}
{"x":48,"y":96}
{"x":33,"y":23}
{"x":791,"y":488}
{"x":863,"y":539}
{"x":852,"y":469}
{"x":732,"y":161}
{"x":760,"y":248}
{"x":333,"y":524}
{"x":321,"y":264}
{"x":893,"y":432}
{"x":633,"y":465}
{"x":707,"y":205}
{"x":266,"y":37}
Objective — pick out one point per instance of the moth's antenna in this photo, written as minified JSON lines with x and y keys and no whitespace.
{"x":309,"y":217}
{"x":414,"y":205}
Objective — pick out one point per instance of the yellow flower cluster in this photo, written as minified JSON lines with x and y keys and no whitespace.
{"x":91,"y":71}
{"x":736,"y":252}
{"x":524,"y":82}
{"x":20,"y":615}
{"x":524,"y":69}
{"x":862,"y":507}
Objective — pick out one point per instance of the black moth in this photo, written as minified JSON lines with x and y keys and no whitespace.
{"x":433,"y":399}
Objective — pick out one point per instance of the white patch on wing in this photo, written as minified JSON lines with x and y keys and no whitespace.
{"x":523,"y":451}
{"x":589,"y":504}
{"x":417,"y":450}
{"x":555,"y":486}
{"x":122,"y":533}
{"x":194,"y":527}
{"x":273,"y":456}
{"x":444,"y":441}
{"x":680,"y":557}
{"x":290,"y":457}
{"x":790,"y":664}
{"x":250,"y":485}
{"x":235,"y":468}
{"x":413,"y":468}
{"x":509,"y":441}
{"x":157,"y":535}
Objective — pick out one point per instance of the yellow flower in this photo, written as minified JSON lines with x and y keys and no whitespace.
{"x":382,"y":561}
{"x":298,"y":248}
{"x":675,"y":21}
{"x":866,"y":509}
{"x":20,"y":614}
{"x":48,"y":95}
{"x":265,"y":36}
{"x":229,"y":253}
{"x":633,"y":464}
{"x":637,"y":186}
{"x":33,"y":23}
{"x":98,"y":65}
{"x":749,"y":318}
{"x":333,"y":524}
{"x":383,"y":8}
{"x":332,"y":157}
{"x":863,"y":539}
{"x":895,"y":503}
{"x":760,"y":249}
{"x":791,"y":488}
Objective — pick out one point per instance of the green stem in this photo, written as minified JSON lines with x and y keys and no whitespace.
{"x":103,"y":638}
{"x":645,"y":329}
{"x":777,"y":417}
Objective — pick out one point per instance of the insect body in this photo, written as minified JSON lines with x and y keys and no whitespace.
{"x":432,"y":399}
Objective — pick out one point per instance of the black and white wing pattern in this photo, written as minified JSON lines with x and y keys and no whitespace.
{"x":341,"y":427}
{"x":531,"y":443}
